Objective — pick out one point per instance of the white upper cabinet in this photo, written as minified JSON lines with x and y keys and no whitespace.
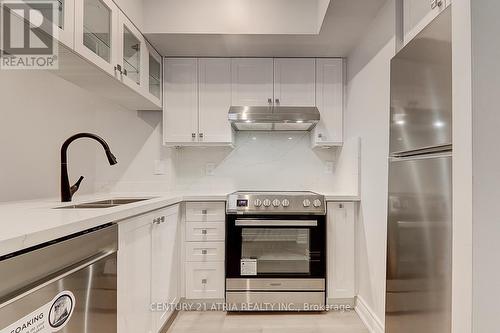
{"x":295,"y":82}
{"x":180,"y":114}
{"x":417,"y":14}
{"x":132,"y":55}
{"x":103,"y":51}
{"x":197,"y":101}
{"x":214,"y":76}
{"x":252,"y":81}
{"x":199,"y":92}
{"x":66,"y":22}
{"x":330,"y":102}
{"x":96,"y":35}
{"x":154,"y":71}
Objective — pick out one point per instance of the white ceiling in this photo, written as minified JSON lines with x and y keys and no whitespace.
{"x":344,"y":24}
{"x":234,"y":16}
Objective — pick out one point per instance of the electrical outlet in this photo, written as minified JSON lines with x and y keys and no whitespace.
{"x":210,"y":169}
{"x":329,"y":167}
{"x":160,"y":167}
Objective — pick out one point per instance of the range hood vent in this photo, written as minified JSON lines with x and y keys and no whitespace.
{"x":273,"y":118}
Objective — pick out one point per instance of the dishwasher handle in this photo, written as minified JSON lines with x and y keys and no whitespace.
{"x":52,"y":258}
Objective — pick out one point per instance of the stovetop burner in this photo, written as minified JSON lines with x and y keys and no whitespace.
{"x":275,"y":202}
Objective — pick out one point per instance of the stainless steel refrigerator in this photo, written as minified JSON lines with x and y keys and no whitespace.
{"x":418,"y":286}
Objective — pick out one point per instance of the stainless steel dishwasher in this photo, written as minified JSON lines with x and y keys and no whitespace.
{"x":66,"y":285}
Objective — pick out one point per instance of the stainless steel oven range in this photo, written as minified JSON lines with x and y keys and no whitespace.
{"x":275,"y":251}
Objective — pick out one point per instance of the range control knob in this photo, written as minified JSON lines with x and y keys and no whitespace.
{"x":285,"y":203}
{"x":257,"y":203}
{"x":276,"y":203}
{"x":317,"y":203}
{"x":267,"y":203}
{"x":306,"y":203}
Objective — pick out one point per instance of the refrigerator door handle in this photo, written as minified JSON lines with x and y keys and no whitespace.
{"x":420,"y":157}
{"x":423,"y":151}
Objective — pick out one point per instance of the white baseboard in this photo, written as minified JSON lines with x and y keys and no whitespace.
{"x":372,"y":322}
{"x":341,"y":301}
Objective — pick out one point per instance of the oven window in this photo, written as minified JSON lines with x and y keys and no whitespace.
{"x":277,"y":250}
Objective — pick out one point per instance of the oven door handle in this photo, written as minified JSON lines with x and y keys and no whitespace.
{"x":275,"y":223}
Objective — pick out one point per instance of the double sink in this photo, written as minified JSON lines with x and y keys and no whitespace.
{"x":105,"y":203}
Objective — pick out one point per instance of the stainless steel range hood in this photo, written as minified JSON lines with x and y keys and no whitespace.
{"x":273,"y":118}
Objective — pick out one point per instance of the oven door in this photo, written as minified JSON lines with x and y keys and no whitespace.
{"x":275,"y":246}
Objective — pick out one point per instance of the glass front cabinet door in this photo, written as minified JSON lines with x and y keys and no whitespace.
{"x":61,"y":13}
{"x":96,"y":24}
{"x":133,"y":55}
{"x":154,"y":89}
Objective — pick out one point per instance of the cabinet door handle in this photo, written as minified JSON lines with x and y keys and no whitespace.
{"x":118,"y":68}
{"x":277,"y":101}
{"x":320,"y":135}
{"x":200,"y":135}
{"x":204,"y":211}
{"x":204,"y":232}
{"x":203,"y":251}
{"x":436,"y":3}
{"x":193,"y":135}
{"x":156,"y":221}
{"x":204,"y":281}
{"x":270,"y":101}
{"x":162,"y":219}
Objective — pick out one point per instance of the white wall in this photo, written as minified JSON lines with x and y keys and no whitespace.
{"x":368,"y":97}
{"x":462,"y":168}
{"x":38,"y":112}
{"x":134,"y":9}
{"x":486,"y":160}
{"x":137,"y":143}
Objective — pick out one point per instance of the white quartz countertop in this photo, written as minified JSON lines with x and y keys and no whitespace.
{"x":28,"y":223}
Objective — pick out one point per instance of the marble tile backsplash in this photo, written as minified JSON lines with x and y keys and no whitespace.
{"x":268,"y":161}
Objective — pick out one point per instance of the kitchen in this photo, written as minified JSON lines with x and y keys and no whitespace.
{"x":238,"y":143}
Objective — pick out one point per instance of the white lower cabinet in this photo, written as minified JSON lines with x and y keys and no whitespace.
{"x":204,"y":250}
{"x":166,"y":263}
{"x":134,"y":275}
{"x":148,"y":266}
{"x":341,"y":251}
{"x":204,"y":280}
{"x":204,"y":231}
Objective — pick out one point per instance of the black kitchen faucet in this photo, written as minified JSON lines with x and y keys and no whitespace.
{"x":66,"y":190}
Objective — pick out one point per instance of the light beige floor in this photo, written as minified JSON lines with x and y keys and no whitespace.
{"x":215,"y":322}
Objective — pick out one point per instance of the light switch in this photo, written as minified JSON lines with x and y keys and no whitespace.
{"x":160,"y":167}
{"x":210,"y":169}
{"x":329,"y":167}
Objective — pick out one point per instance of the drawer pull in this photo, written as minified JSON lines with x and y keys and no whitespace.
{"x":204,"y":211}
{"x":203,"y":281}
{"x":203,"y":251}
{"x":204,"y":232}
